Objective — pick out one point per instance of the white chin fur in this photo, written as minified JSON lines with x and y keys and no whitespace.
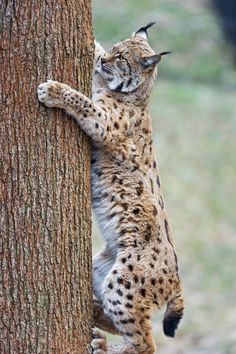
{"x":113,"y":84}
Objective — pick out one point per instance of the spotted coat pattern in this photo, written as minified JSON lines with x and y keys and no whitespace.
{"x":137,"y":272}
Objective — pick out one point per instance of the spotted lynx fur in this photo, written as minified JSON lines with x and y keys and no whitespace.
{"x":137,"y":272}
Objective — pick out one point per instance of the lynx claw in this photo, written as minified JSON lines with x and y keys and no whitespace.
{"x":42,"y":92}
{"x":99,"y":343}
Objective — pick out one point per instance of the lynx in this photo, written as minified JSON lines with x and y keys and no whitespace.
{"x":136,"y":273}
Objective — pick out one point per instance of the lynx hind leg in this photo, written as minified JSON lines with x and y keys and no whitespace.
{"x":136,"y":331}
{"x":132,"y":323}
{"x":101,"y":320}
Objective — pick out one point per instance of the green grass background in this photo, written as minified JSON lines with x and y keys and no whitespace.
{"x":194,"y":119}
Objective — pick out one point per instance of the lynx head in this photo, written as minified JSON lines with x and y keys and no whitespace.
{"x":130,"y":64}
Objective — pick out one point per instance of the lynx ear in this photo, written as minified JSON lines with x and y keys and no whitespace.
{"x":142,"y":32}
{"x":153,"y":60}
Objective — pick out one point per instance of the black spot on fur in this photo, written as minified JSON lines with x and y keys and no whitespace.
{"x":131,"y":320}
{"x":156,"y":250}
{"x":127,"y":285}
{"x":138,"y":122}
{"x":120,"y":280}
{"x":151,"y":183}
{"x":153,"y":281}
{"x":128,"y":334}
{"x":131,"y":113}
{"x":125,"y":206}
{"x":123,"y":321}
{"x":154,"y":210}
{"x":119,"y":292}
{"x":128,"y":305}
{"x":176,"y":263}
{"x":116,"y":302}
{"x":140,"y":188}
{"x":161,"y":202}
{"x":130,"y":267}
{"x":143,"y":292}
{"x":110,"y":286}
{"x":123,"y":260}
{"x":135,"y":244}
{"x":113,"y":178}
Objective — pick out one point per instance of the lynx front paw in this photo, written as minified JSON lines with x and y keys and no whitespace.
{"x":50,"y":93}
{"x":99,"y":342}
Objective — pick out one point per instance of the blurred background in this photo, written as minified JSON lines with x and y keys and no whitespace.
{"x":194,"y":118}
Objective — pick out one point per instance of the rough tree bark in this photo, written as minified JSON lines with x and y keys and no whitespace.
{"x":45,"y":254}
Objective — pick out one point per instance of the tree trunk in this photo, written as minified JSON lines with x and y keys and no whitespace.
{"x":46,"y":294}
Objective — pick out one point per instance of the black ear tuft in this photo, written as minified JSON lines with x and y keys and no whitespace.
{"x":164,"y":53}
{"x":142,"y":32}
{"x":145,"y":28}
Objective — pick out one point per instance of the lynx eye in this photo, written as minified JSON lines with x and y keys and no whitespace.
{"x":119,"y":57}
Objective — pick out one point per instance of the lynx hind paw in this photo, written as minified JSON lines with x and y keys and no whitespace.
{"x":99,"y":342}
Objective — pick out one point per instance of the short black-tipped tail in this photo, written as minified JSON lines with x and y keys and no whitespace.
{"x":173,"y":315}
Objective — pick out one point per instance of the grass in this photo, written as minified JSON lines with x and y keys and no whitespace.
{"x":194,"y":120}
